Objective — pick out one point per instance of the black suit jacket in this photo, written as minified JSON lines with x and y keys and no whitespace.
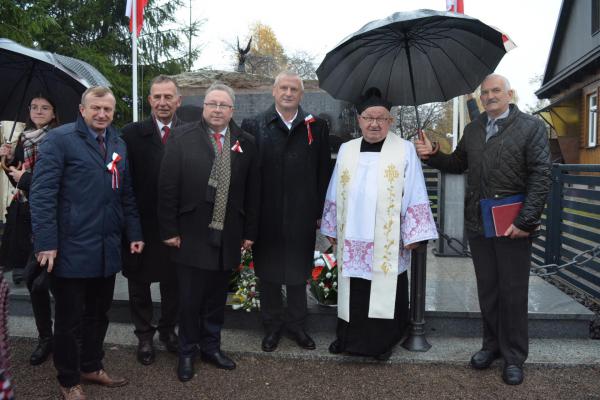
{"x":146,"y":150}
{"x":183,"y":208}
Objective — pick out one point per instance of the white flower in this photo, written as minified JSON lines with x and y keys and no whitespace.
{"x":328,"y":275}
{"x":321,"y":284}
{"x":334,"y":284}
{"x":326,"y":290}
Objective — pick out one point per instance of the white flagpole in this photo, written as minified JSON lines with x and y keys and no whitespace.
{"x":134,"y":60}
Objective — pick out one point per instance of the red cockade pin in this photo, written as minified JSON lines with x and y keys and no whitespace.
{"x":112,"y":168}
{"x":307,"y":121}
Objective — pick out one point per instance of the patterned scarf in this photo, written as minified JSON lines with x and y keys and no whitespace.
{"x":30,"y":145}
{"x":218,"y":187}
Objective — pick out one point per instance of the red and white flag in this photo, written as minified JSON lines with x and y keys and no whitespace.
{"x":455,"y":6}
{"x":140,"y":4}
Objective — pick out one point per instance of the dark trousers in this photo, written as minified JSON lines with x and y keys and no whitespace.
{"x":502,"y":272}
{"x":81,"y":307}
{"x":274,"y":315}
{"x":42,"y":312}
{"x":142,"y":308}
{"x":202,"y":298}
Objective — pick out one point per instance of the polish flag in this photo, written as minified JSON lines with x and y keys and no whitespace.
{"x":140,"y":14}
{"x":455,"y":6}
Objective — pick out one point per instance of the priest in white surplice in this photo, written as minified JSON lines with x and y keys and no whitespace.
{"x":377,"y":211}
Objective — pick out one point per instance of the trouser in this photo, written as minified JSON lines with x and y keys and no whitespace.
{"x":202,"y":298}
{"x":502,"y":272}
{"x":81,"y":307}
{"x":274,"y":316}
{"x":42,"y":312}
{"x":142,"y":308}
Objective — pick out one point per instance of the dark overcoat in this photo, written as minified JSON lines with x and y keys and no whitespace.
{"x":74,"y":207}
{"x":294,"y":179}
{"x":183,"y":209}
{"x":145,"y":150}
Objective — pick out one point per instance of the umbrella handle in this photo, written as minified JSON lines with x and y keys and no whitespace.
{"x":5,"y":167}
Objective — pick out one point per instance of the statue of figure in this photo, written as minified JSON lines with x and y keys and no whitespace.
{"x":242,"y":53}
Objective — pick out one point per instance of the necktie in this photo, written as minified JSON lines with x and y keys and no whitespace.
{"x":165,"y":136}
{"x":217,"y":137}
{"x":100,"y":139}
{"x":491,"y":129}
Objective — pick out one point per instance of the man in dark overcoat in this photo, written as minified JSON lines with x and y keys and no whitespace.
{"x":145,"y":146}
{"x":295,"y":170}
{"x":208,"y":210}
{"x":81,"y":199}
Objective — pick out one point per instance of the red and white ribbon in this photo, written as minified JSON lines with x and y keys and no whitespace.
{"x":112,"y":168}
{"x":236,"y":147}
{"x":307,"y":121}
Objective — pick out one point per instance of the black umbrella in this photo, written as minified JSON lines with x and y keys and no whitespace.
{"x":413,"y":58}
{"x":26,"y":72}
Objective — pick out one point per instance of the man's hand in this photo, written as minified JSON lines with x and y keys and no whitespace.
{"x":47,"y":257}
{"x":423,"y":146}
{"x":136,"y":247}
{"x":16,"y":173}
{"x":515,"y":233}
{"x":173,"y":242}
{"x":332,"y":241}
{"x":247,"y":244}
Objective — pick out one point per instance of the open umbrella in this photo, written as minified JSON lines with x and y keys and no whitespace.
{"x":26,"y":72}
{"x":413,"y":58}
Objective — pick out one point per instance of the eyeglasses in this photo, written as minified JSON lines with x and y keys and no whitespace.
{"x":370,"y":120}
{"x":40,"y":108}
{"x":215,"y":106}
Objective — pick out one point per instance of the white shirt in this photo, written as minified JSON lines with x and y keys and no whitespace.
{"x":287,"y":123}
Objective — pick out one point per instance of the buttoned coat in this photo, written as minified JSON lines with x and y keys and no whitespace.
{"x":75,"y":208}
{"x":145,"y":151}
{"x":184,"y":210}
{"x":295,"y":173}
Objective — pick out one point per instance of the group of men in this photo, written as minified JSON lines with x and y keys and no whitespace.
{"x":189,"y":196}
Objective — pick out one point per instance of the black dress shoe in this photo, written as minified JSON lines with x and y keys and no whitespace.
{"x":170,"y":340}
{"x":145,"y":352}
{"x":384,"y":356}
{"x":270,"y":341}
{"x":512,"y":374}
{"x":303,"y":340}
{"x":219,"y":360}
{"x":185,"y":368}
{"x":41,"y":352}
{"x":336,"y":347}
{"x":483,"y":359}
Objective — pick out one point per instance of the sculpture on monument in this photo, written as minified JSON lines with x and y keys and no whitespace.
{"x":242,"y":54}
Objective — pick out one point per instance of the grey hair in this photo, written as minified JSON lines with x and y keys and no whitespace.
{"x":165,"y":78}
{"x":288,"y":73}
{"x":502,"y":77}
{"x":218,"y":85}
{"x":96,"y":91}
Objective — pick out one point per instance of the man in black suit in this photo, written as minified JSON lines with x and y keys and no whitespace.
{"x":145,"y":144}
{"x":295,"y":169}
{"x":208,"y":205}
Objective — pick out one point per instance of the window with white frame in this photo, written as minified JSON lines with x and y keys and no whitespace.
{"x":592,"y":104}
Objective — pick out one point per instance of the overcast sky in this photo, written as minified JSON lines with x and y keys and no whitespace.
{"x":317,"y":26}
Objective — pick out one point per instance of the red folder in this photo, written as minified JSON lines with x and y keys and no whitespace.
{"x":504,"y":216}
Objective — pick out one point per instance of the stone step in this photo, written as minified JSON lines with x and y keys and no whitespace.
{"x":555,"y":352}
